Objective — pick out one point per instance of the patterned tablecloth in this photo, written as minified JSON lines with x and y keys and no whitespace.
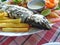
{"x":52,"y":35}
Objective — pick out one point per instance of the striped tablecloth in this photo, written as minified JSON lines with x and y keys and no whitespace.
{"x":52,"y":35}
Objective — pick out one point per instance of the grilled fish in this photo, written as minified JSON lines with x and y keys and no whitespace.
{"x":27,"y":16}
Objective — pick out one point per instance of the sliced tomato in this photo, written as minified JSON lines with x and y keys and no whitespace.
{"x":57,"y":11}
{"x":54,"y":20}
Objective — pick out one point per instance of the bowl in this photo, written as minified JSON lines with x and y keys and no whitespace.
{"x":37,"y":5}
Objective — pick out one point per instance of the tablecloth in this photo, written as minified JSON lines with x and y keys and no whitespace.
{"x":40,"y":38}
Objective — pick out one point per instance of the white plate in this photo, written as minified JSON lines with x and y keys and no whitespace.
{"x":31,"y":31}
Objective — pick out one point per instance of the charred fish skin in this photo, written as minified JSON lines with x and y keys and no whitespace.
{"x":15,"y":11}
{"x":36,"y":20}
{"x":3,"y":6}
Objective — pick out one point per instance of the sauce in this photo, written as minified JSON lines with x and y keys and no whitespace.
{"x":37,"y":5}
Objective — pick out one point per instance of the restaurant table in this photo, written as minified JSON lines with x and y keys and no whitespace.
{"x":39,"y":38}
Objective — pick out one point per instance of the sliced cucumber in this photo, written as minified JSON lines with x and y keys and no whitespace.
{"x":46,"y":12}
{"x":17,"y":1}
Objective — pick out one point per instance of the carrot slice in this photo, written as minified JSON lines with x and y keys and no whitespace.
{"x":52,"y":1}
{"x":50,"y":5}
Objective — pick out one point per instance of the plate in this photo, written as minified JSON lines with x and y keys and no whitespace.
{"x":31,"y":30}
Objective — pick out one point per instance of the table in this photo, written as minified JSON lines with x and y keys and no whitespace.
{"x":40,"y":38}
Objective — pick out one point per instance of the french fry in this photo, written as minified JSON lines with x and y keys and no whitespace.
{"x":3,"y":14}
{"x":14,"y":29}
{"x":11,"y":21}
{"x":4,"y":18}
{"x":12,"y":25}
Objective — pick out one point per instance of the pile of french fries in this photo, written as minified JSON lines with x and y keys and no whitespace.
{"x":12,"y":25}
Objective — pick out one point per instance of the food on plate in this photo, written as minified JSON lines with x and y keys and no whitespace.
{"x":54,"y":20}
{"x":13,"y":25}
{"x":15,"y":29}
{"x":11,"y":21}
{"x":8,"y":24}
{"x":57,"y":11}
{"x":15,"y":18}
{"x":3,"y":13}
{"x":4,"y":18}
{"x":15,"y":1}
{"x":51,"y":3}
{"x":34,"y":20}
{"x":46,"y":12}
{"x":52,"y":15}
{"x":19,"y":2}
{"x":38,"y":21}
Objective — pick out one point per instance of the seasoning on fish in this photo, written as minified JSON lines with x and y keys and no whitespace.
{"x":35,"y":20}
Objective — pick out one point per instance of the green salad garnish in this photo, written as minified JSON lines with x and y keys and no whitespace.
{"x":46,"y":12}
{"x":17,"y":1}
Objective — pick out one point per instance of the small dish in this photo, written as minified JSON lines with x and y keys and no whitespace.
{"x":36,"y":5}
